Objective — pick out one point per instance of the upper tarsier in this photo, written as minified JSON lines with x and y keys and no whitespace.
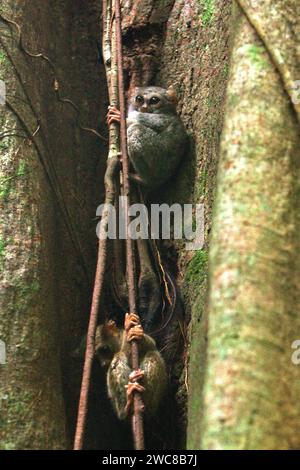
{"x":156,"y":136}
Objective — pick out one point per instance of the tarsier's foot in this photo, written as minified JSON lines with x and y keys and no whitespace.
{"x":135,"y":333}
{"x":131,"y":320}
{"x":113,"y":115}
{"x":131,"y":388}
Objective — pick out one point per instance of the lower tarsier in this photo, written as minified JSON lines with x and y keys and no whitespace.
{"x":112,"y":350}
{"x":156,"y":142}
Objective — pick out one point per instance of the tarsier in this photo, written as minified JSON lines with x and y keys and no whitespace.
{"x":156,"y":142}
{"x":112,"y":349}
{"x":156,"y":136}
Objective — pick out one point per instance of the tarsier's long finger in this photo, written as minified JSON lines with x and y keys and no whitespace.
{"x":130,"y":389}
{"x":113,"y":115}
{"x":132,"y":317}
{"x":134,"y":338}
{"x":136,"y":375}
{"x":113,"y":108}
{"x":135,"y":333}
{"x":113,"y":111}
{"x":131,"y":320}
{"x":134,"y":387}
{"x":111,"y":119}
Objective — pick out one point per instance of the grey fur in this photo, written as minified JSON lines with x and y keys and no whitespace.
{"x":156,"y":136}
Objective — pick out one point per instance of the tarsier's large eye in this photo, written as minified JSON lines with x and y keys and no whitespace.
{"x":154,"y":100}
{"x":104,"y":350}
{"x":139,"y":99}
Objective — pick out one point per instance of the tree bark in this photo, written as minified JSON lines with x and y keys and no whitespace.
{"x":252,"y":387}
{"x":49,"y":194}
{"x":32,"y":409}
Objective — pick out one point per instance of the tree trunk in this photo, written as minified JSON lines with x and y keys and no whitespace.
{"x":49,"y":194}
{"x":252,"y":387}
{"x":32,"y":410}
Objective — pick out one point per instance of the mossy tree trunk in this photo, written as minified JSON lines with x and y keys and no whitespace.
{"x":252,"y":387}
{"x":46,"y":178}
{"x":32,"y":410}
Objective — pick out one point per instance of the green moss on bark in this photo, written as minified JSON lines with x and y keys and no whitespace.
{"x":251,"y":386}
{"x":207,"y":12}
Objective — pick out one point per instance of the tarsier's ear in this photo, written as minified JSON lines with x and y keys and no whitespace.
{"x":172,"y":95}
